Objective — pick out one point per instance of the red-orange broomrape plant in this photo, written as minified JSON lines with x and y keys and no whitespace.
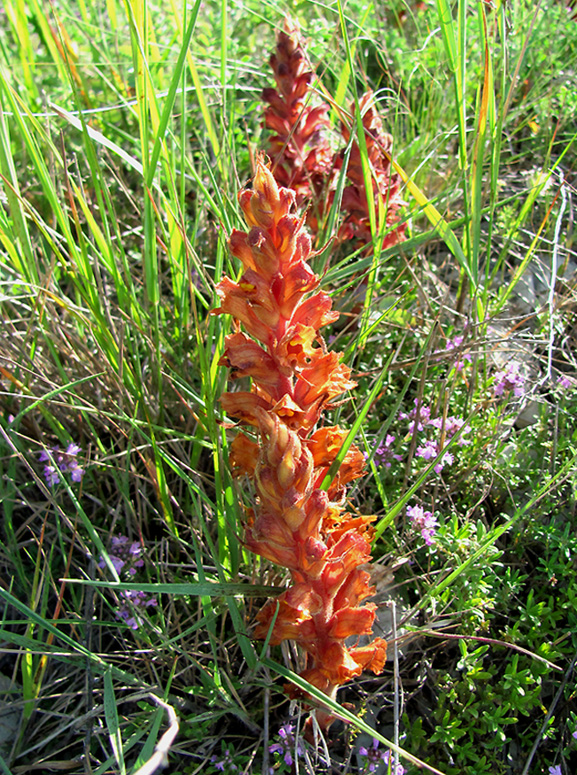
{"x":301,"y":155}
{"x":278,"y":311}
{"x":303,"y":160}
{"x":385,"y":181}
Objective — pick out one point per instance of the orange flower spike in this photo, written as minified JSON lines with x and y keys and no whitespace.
{"x":326,"y":378}
{"x":284,"y":472}
{"x":300,"y":153}
{"x":386,"y":183}
{"x":289,"y":412}
{"x":240,"y":248}
{"x":352,"y":620}
{"x":296,"y":349}
{"x":316,"y":311}
{"x":294,"y":377}
{"x":371,"y":657}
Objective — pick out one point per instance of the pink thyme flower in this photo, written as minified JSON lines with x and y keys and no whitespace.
{"x":372,"y":755}
{"x":63,"y":462}
{"x":428,"y":450}
{"x":453,"y":425}
{"x":565,"y":382}
{"x":384,"y":454}
{"x":224,"y":764}
{"x":424,"y":522}
{"x":124,"y":552}
{"x":134,"y":600}
{"x":446,"y":460}
{"x":510,"y":379}
{"x":126,"y":556}
{"x":424,"y":413}
{"x":454,"y":344}
{"x":394,"y":769}
{"x":288,"y":747}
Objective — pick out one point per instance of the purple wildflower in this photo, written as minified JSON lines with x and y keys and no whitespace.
{"x":460,"y":365}
{"x":428,"y":450}
{"x":138,"y":599}
{"x":455,"y":424}
{"x":125,"y":555}
{"x":117,"y":562}
{"x":384,"y":454}
{"x":455,"y":344}
{"x":226,"y":763}
{"x":394,"y":769}
{"x":288,"y":746}
{"x":452,"y":425}
{"x":71,"y":464}
{"x":574,"y":734}
{"x":510,"y":379}
{"x":452,"y":344}
{"x":424,"y":413}
{"x":65,"y":462}
{"x":565,"y":382}
{"x":556,"y":770}
{"x":51,"y":475}
{"x":124,"y":552}
{"x":424,"y":522}
{"x":372,"y":755}
{"x":446,"y":460}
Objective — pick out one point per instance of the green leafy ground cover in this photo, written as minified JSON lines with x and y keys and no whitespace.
{"x":126,"y":132}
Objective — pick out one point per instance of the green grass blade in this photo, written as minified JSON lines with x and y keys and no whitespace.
{"x":25,"y":265}
{"x":172,"y":91}
{"x":485,"y":115}
{"x":199,"y":91}
{"x":345,"y":75}
{"x":434,"y":217}
{"x":208,"y":588}
{"x":111,"y":716}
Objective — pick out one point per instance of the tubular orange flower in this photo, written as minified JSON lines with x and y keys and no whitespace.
{"x":294,"y":378}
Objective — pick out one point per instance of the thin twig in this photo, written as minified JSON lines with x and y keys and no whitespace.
{"x":553,"y":277}
{"x":492,"y":641}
